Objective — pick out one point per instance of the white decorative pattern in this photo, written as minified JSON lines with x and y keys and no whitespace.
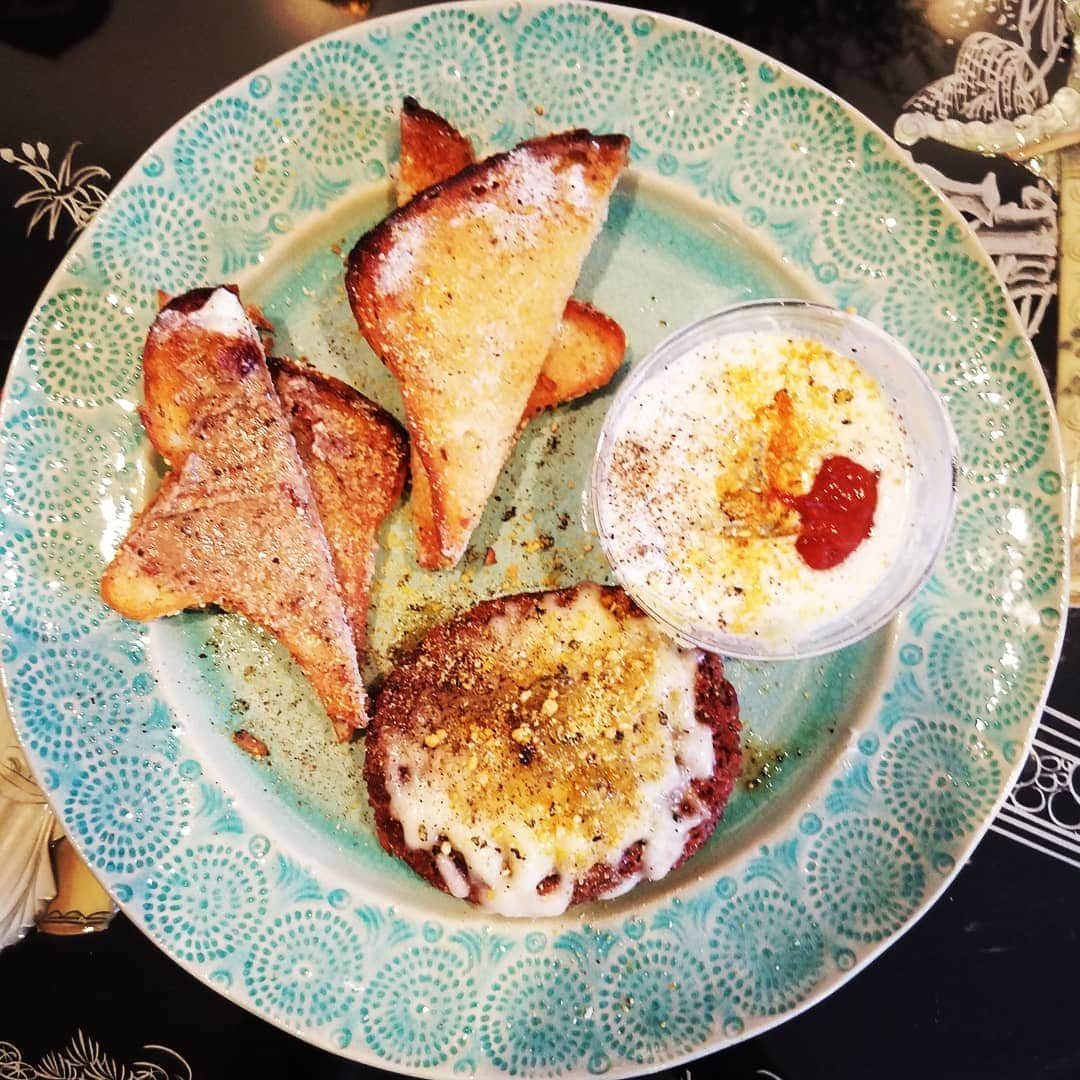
{"x":994,"y":102}
{"x":996,"y":97}
{"x":1043,"y":809}
{"x":1021,"y":238}
{"x":62,"y":191}
{"x":84,"y":1059}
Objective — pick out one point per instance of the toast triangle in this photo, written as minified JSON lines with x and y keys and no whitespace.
{"x":589,"y":346}
{"x":461,"y":293}
{"x":355,"y":455}
{"x":234,"y":522}
{"x":432,"y":150}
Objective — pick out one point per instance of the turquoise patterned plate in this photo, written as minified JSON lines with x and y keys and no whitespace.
{"x":870,"y":774}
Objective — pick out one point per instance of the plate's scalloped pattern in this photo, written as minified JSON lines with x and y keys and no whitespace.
{"x":728,"y":956}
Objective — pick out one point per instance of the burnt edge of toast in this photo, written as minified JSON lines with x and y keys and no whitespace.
{"x":412,"y":109}
{"x":715,"y":705}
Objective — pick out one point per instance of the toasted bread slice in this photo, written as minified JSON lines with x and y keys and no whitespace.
{"x":354,"y":453}
{"x":432,"y":150}
{"x":461,"y":293}
{"x":590,"y":345}
{"x":546,"y":749}
{"x":588,"y":348}
{"x":234,"y":522}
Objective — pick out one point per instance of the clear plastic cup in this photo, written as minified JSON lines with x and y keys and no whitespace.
{"x":931,"y":478}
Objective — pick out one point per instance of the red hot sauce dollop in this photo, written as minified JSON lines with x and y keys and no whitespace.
{"x":836,"y":514}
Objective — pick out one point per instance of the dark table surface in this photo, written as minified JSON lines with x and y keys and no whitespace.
{"x":980,"y":987}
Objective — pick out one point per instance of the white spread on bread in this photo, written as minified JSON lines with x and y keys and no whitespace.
{"x":221,"y":314}
{"x":396,"y":264}
{"x":588,"y":747}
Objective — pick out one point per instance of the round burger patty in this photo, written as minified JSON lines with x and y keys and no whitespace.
{"x":546,"y":749}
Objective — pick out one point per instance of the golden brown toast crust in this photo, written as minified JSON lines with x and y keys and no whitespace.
{"x":234,"y":522}
{"x":432,"y":150}
{"x":428,"y":554}
{"x":588,"y":349}
{"x":355,"y":455}
{"x":171,"y":402}
{"x":416,"y":681}
{"x":431,"y":287}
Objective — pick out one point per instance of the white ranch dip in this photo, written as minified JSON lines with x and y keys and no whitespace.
{"x":690,"y":511}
